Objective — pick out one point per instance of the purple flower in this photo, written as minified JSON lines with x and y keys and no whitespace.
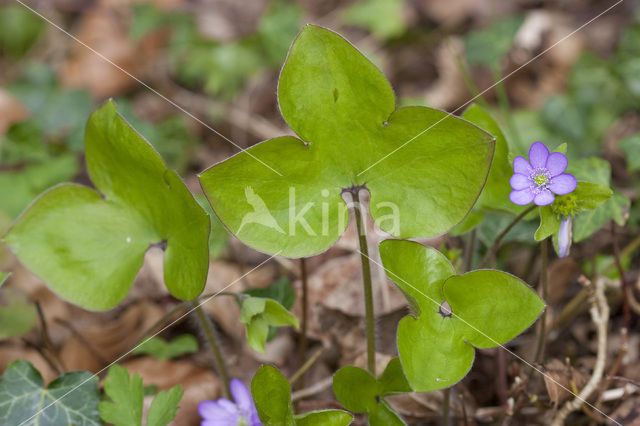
{"x":226,"y":413}
{"x":539,"y":178}
{"x":564,"y":237}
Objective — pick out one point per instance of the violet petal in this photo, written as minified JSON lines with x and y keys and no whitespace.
{"x":564,"y":237}
{"x":519,"y":181}
{"x":544,"y":198}
{"x":563,"y":184}
{"x":521,"y":197}
{"x":214,"y":410}
{"x":521,"y":166}
{"x":556,"y":163}
{"x":538,"y":154}
{"x":241,"y":394}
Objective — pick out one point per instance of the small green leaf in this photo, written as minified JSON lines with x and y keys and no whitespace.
{"x":360,"y":392}
{"x":324,"y":418}
{"x":280,"y":291}
{"x":549,"y":223}
{"x":159,"y":348}
{"x":488,"y":46}
{"x":272,"y":395}
{"x":414,"y":161}
{"x":631,"y":147}
{"x":70,"y":399}
{"x":258,"y":314}
{"x":383,"y":18}
{"x":18,"y":316}
{"x":164,"y":407}
{"x":125,"y":398}
{"x":125,"y":394}
{"x":483,"y":308}
{"x":590,"y":196}
{"x":88,"y":245}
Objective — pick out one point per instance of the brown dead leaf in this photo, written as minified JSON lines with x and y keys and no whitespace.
{"x":628,"y":413}
{"x":10,"y":352}
{"x":104,"y":30}
{"x":558,"y":376}
{"x":107,"y":335}
{"x":562,"y":272}
{"x":11,"y":111}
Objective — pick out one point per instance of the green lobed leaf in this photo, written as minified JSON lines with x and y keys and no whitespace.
{"x":126,"y":396}
{"x":88,"y":246}
{"x":549,"y":223}
{"x":615,"y":208}
{"x":272,"y":396}
{"x":164,"y":407}
{"x":343,"y":108}
{"x":259,"y":313}
{"x":25,"y":401}
{"x":485,"y":308}
{"x":159,"y":348}
{"x":358,"y":391}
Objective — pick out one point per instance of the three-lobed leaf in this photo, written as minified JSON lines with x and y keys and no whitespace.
{"x":88,"y":245}
{"x":415,"y":161}
{"x":272,"y":396}
{"x":483,"y":309}
{"x":70,"y":399}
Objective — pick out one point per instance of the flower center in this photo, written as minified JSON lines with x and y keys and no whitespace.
{"x":541,"y":179}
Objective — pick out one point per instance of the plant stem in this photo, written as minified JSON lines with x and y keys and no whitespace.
{"x":470,"y":247}
{"x":207,"y":327}
{"x":304,"y":367}
{"x":446,"y":396}
{"x":366,"y":281}
{"x":543,"y":283}
{"x":626,"y":309}
{"x":496,"y":243}
{"x":303,"y":322}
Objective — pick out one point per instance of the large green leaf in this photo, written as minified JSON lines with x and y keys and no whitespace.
{"x":455,"y":313}
{"x":272,"y":395}
{"x":88,"y":245}
{"x":423,"y":168}
{"x":71,"y":399}
{"x":360,"y":392}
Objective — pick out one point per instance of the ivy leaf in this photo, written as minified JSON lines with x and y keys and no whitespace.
{"x":259,"y":313}
{"x":159,"y":348}
{"x":484,"y":309}
{"x":344,"y":110}
{"x":25,"y":401}
{"x":88,"y":245}
{"x":272,"y":395}
{"x":126,"y":396}
{"x":358,"y":391}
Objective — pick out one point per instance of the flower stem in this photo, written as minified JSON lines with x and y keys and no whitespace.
{"x":303,"y":322}
{"x":304,"y":367}
{"x":366,"y":281}
{"x":446,"y":397}
{"x":207,"y":327}
{"x":496,"y":243}
{"x":543,"y":283}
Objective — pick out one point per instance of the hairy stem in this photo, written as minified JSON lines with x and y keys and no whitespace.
{"x":496,"y":243}
{"x":543,"y":283}
{"x":304,"y":367}
{"x":207,"y":327}
{"x":366,"y":281}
